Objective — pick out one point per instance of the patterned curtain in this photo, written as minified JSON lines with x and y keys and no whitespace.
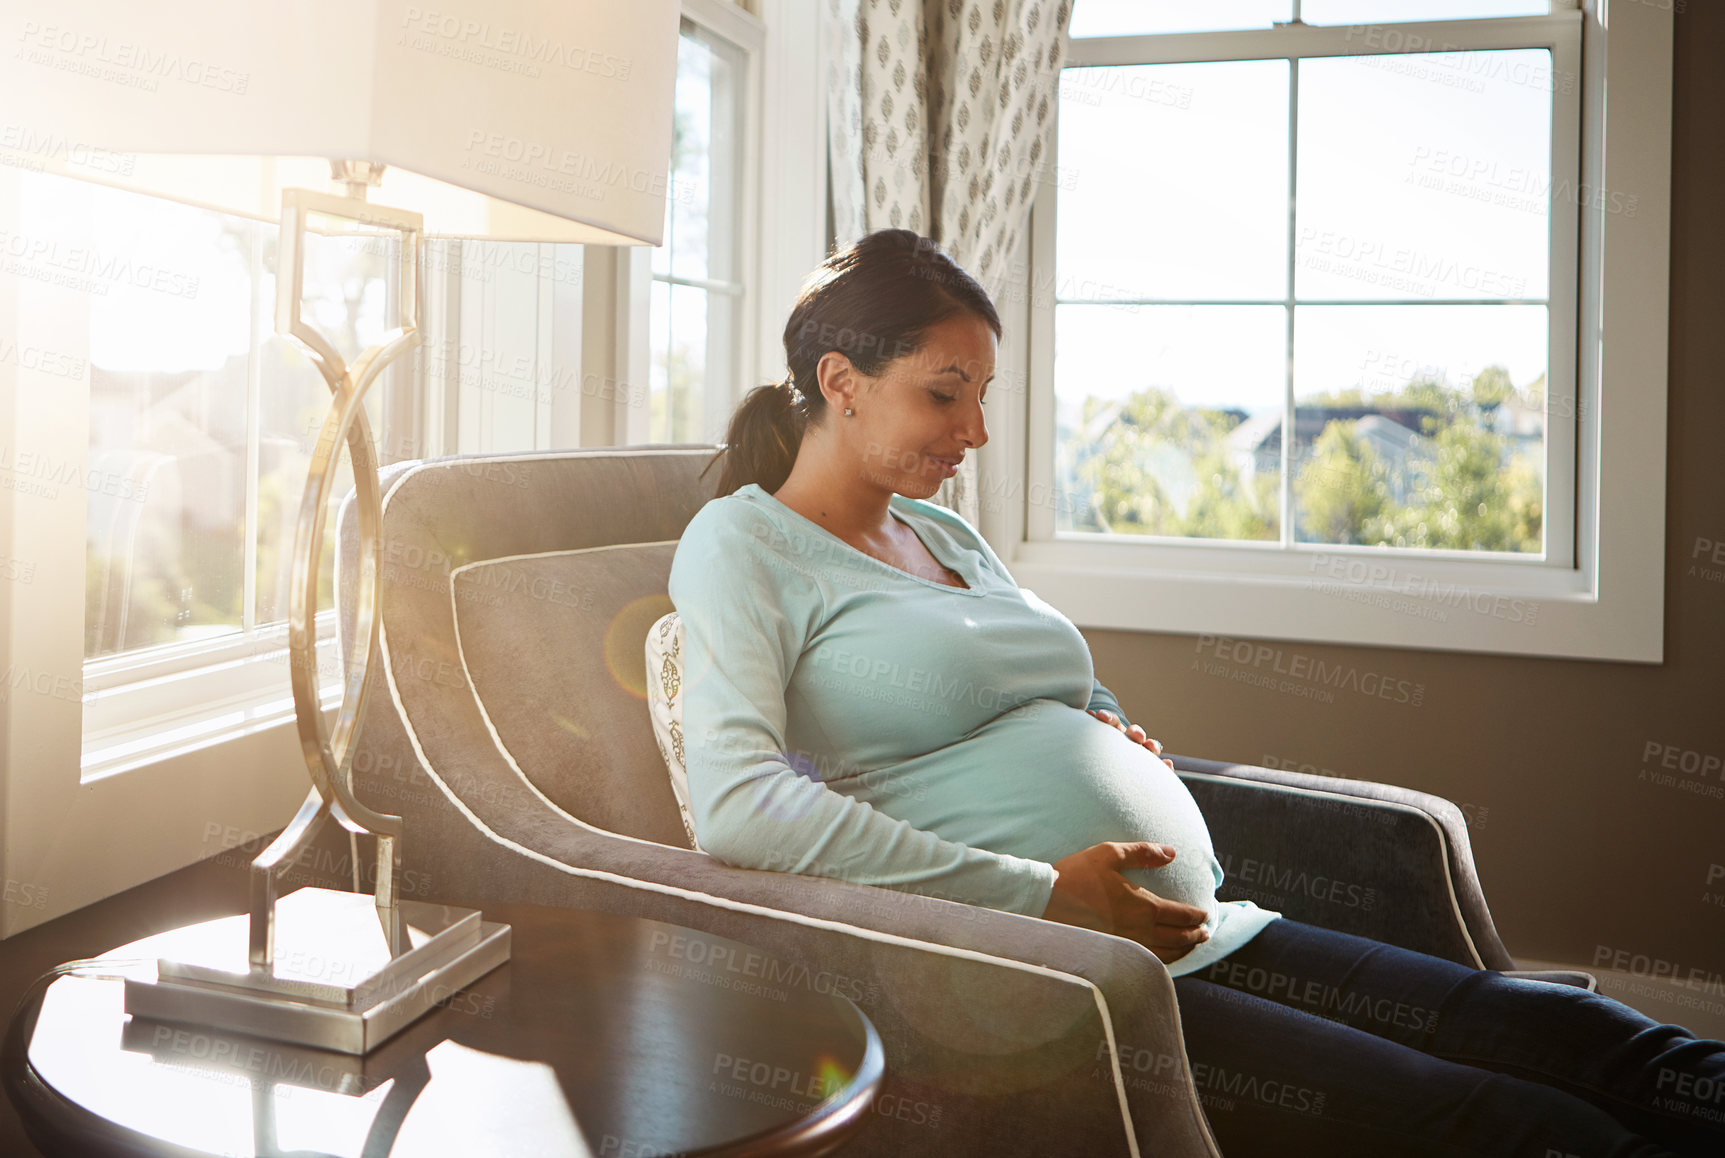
{"x":939,"y":114}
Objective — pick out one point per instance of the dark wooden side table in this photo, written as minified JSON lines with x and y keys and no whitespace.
{"x":604,"y":1035}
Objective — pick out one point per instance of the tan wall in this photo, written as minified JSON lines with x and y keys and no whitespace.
{"x":1576,"y":850}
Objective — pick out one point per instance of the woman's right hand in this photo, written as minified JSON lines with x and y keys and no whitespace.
{"x":1091,"y":892}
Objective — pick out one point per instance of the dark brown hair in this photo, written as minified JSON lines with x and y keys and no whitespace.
{"x":872,"y":303}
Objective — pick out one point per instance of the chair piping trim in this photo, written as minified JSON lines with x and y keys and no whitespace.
{"x":1443,"y":839}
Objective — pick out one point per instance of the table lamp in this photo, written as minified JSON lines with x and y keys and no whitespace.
{"x":517,"y":120}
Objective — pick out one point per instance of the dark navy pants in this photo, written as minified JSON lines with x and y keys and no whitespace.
{"x":1310,"y":1042}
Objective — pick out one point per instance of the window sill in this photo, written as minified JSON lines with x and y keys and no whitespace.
{"x":150,"y":720}
{"x":1365,"y":599}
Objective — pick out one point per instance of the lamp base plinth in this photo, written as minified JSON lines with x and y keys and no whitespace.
{"x":334,"y":984}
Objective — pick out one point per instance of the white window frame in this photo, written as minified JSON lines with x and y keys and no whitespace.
{"x":747,"y":34}
{"x":1608,"y":604}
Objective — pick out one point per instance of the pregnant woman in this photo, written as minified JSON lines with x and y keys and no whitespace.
{"x":871,"y":697}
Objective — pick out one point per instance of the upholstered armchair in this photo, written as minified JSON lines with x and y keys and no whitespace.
{"x":511,"y":730}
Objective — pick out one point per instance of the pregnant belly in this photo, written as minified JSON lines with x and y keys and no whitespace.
{"x":1046,"y":780}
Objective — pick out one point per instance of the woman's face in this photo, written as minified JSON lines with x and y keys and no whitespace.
{"x":923,"y":413}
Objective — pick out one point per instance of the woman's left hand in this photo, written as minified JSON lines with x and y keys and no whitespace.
{"x":1133,"y":733}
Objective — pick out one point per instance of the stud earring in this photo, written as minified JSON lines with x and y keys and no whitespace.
{"x":849,"y":412}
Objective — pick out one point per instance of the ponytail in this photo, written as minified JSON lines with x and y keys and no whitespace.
{"x":763,"y":436}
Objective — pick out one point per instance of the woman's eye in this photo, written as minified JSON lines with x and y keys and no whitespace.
{"x":945,"y":397}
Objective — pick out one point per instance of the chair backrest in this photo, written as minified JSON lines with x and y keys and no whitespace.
{"x":554,"y":647}
{"x":517,"y":594}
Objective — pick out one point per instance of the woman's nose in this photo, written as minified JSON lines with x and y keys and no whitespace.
{"x":975,"y":428}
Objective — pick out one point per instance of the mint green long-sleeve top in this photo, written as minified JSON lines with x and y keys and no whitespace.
{"x":844,"y":718}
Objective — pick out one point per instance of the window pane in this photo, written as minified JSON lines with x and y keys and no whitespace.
{"x":679,"y":322}
{"x":1143,"y":17}
{"x":722,"y":328}
{"x":703,"y":179}
{"x":1389,"y":11}
{"x":689,"y":188}
{"x":1173,"y":182}
{"x":1424,"y":176}
{"x":1162,"y":414}
{"x":165,"y":545}
{"x":1420,"y":426}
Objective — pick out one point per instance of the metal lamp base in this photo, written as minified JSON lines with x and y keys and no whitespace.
{"x":335,"y":970}
{"x":333,"y":984}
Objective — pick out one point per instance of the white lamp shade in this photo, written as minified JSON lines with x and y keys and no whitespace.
{"x":532,"y":120}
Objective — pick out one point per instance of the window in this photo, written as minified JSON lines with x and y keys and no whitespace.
{"x":200,"y":427}
{"x":1349,"y":337}
{"x":1328,"y":383}
{"x":696,"y":305}
{"x":202,"y":422}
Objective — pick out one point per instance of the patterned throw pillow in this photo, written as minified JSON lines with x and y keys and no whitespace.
{"x":665,"y":707}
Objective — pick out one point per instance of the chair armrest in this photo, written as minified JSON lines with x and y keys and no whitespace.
{"x":1359,"y":857}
